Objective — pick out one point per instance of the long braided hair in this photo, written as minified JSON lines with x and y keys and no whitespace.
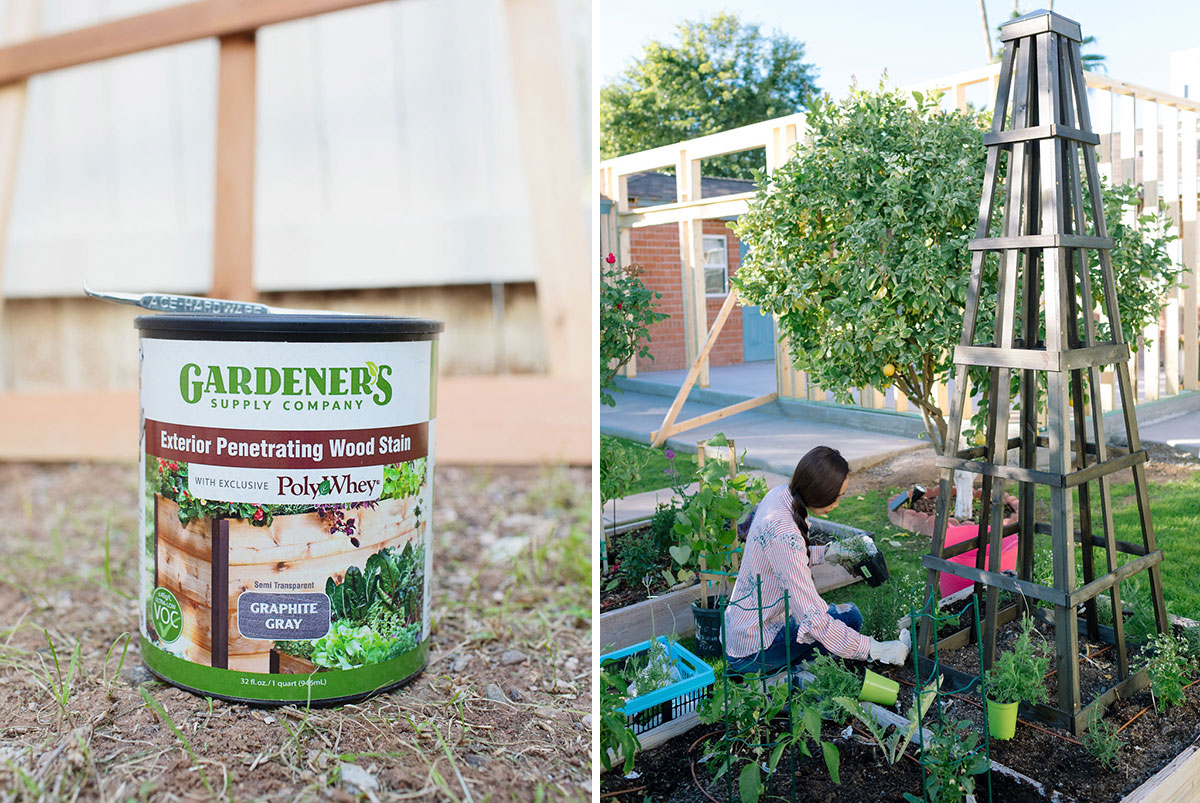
{"x":816,"y":482}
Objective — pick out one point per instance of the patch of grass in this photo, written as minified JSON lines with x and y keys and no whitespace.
{"x":656,"y":473}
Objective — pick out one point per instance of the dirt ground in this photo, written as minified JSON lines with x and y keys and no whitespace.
{"x":918,"y":468}
{"x":500,"y":713}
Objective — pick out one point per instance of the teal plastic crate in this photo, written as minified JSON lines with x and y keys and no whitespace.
{"x":647,"y":711}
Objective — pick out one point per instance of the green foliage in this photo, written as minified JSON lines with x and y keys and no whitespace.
{"x":639,"y":557}
{"x":627,"y":311}
{"x":749,"y":710}
{"x":883,"y":607}
{"x":173,"y":484}
{"x":649,"y":671}
{"x":1020,"y":673}
{"x":620,"y":467}
{"x":1165,"y":659}
{"x":402,"y":480}
{"x":707,"y":525}
{"x":391,"y":578}
{"x":615,"y":733}
{"x":1101,"y":739}
{"x":832,"y":680}
{"x":347,"y":646}
{"x":720,"y":74}
{"x":951,"y":763}
{"x":859,"y":246}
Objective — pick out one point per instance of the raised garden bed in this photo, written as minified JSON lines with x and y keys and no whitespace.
{"x":920,"y":517}
{"x":1160,"y":760}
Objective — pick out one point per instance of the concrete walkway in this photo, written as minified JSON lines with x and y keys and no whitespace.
{"x":772,"y":442}
{"x":1180,"y":432}
{"x":642,"y":506}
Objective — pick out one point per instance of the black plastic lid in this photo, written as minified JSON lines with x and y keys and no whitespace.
{"x":286,"y":327}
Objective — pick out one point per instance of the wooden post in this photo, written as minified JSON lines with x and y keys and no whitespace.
{"x":1170,"y":196}
{"x":1191,"y":247}
{"x":233,"y":229}
{"x":19,"y":23}
{"x":691,"y":253}
{"x":550,"y":144}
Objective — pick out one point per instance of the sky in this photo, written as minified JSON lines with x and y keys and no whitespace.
{"x":914,"y":42}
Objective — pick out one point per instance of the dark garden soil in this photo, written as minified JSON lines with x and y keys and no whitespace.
{"x":501,"y":712}
{"x":624,"y":594}
{"x":1048,"y":755}
{"x":927,"y":505}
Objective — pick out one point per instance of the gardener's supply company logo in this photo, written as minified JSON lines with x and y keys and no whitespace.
{"x":239,"y":387}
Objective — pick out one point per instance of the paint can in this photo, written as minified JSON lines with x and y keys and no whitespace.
{"x":287,"y":479}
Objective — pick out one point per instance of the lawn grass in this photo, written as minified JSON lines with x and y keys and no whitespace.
{"x":656,"y":473}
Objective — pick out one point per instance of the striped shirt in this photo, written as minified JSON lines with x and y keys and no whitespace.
{"x":777,"y":554}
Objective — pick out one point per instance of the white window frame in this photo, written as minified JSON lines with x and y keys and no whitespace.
{"x":723,"y":265}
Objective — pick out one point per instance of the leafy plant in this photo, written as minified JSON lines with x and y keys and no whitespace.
{"x":1020,"y":673}
{"x":640,"y":557}
{"x":403,"y":480}
{"x":649,"y":671}
{"x":951,"y":762}
{"x":627,"y":311}
{"x":831,"y":681}
{"x":620,"y":467}
{"x":1101,"y":739}
{"x":707,"y":524}
{"x":883,"y":607}
{"x":335,"y":517}
{"x":346,"y":646}
{"x":1165,"y":659}
{"x":615,"y":733}
{"x":390,"y":578}
{"x":749,"y":710}
{"x":858,"y":246}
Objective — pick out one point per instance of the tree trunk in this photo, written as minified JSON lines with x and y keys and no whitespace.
{"x":987,"y":32}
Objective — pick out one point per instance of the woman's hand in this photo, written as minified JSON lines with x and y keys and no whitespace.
{"x":890,"y":652}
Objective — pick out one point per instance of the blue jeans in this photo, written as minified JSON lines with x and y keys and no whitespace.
{"x":775,"y":656}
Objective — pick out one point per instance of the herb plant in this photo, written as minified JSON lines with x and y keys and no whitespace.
{"x":1101,"y":739}
{"x":951,"y":762}
{"x":831,"y":681}
{"x":615,"y":734}
{"x":649,"y":671}
{"x":1165,"y":659}
{"x":1020,"y":673}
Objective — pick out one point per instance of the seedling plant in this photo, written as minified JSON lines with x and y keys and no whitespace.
{"x":1166,"y":661}
{"x":1101,"y":740}
{"x":1019,"y":674}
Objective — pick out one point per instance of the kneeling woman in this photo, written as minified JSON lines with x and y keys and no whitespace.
{"x":777,"y":554}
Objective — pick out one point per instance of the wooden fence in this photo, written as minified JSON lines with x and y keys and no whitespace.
{"x":1128,"y":118}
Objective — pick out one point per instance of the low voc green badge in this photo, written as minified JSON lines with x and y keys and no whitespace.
{"x":166,"y":615}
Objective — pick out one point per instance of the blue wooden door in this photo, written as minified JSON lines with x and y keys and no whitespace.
{"x":758,"y":330}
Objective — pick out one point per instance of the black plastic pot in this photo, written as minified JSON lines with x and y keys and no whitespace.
{"x":872,"y":569}
{"x":708,"y":627}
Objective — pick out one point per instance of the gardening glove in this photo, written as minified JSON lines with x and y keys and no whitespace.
{"x":890,"y":652}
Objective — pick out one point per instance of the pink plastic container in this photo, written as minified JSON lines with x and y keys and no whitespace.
{"x":965,"y":532}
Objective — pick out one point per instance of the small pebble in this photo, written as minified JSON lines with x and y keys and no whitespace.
{"x":495,"y":693}
{"x":515,"y":695}
{"x":572,"y":664}
{"x":356,"y":779}
{"x":511,"y":657}
{"x":459,"y":662}
{"x":586,"y":722}
{"x":136,"y":675}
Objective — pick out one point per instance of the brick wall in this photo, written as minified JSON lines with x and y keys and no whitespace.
{"x":656,"y":250}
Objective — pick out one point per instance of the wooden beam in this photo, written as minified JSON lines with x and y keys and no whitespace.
{"x":168,"y":26}
{"x":703,"y":209}
{"x":715,"y":415}
{"x":656,"y":437}
{"x":20,"y":21}
{"x":233,"y":228}
{"x":502,"y":420}
{"x":554,"y":171}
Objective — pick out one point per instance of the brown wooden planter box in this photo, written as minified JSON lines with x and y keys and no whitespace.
{"x":283,"y":663}
{"x":922,"y":523}
{"x":191,"y":560}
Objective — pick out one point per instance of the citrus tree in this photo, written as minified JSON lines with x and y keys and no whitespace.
{"x":858,"y":244}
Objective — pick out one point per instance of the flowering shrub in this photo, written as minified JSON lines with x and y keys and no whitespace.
{"x":627,"y":311}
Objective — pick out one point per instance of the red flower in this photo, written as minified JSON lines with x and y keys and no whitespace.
{"x":618,"y":306}
{"x":610,"y":259}
{"x":174,"y":466}
{"x":258,"y":514}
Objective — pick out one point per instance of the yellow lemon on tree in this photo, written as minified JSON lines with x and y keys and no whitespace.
{"x":979,"y":438}
{"x":889,"y":369}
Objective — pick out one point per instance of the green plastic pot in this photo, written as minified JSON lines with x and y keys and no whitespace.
{"x":1002,"y":719}
{"x":878,"y":689}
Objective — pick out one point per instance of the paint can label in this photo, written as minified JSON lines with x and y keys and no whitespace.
{"x":288,"y":490}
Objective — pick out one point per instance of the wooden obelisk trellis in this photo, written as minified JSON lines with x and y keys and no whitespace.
{"x":1044,"y":326}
